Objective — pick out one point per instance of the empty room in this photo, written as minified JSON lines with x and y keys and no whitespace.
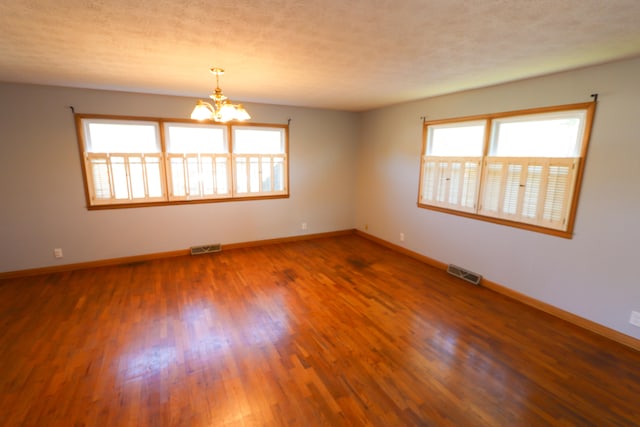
{"x":296,"y":213}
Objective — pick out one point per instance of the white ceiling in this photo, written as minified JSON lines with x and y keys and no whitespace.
{"x":342,"y":54}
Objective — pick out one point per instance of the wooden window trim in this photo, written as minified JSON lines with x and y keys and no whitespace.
{"x":79,"y":117}
{"x":589,"y":108}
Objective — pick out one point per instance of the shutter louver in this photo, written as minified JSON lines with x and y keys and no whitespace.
{"x":492,"y":186}
{"x":450,"y":182}
{"x":428,"y":180}
{"x":119,"y":177}
{"x":193,"y":176}
{"x":222,"y":175}
{"x":442,"y":171}
{"x":208,"y":176}
{"x":531,"y":196}
{"x":470,"y":185}
{"x":253,"y":175}
{"x":455,"y":179}
{"x":99,"y":170}
{"x":153,"y":176}
{"x":178,"y":178}
{"x":136,"y":178}
{"x":512,"y":189}
{"x":278,"y":174}
{"x":558,"y":195}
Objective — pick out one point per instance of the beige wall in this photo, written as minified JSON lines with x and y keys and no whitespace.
{"x":43,"y":204}
{"x":592,"y":275}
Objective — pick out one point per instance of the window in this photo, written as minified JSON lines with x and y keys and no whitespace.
{"x":520,"y":168}
{"x":199,"y":165}
{"x":450,"y":170}
{"x":123,"y":161}
{"x":259,"y":159}
{"x":130,"y":161}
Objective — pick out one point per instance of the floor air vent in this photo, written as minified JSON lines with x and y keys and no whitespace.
{"x":467,"y":275}
{"x":206,"y":249}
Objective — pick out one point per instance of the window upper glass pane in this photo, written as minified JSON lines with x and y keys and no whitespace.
{"x":539,"y":135}
{"x":189,"y":138}
{"x":464,"y":139}
{"x":257,"y":140}
{"x":121,"y":136}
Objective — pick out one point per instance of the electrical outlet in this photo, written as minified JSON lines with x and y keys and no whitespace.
{"x":57,"y":252}
{"x":304,"y":225}
{"x":402,"y":237}
{"x":635,"y":318}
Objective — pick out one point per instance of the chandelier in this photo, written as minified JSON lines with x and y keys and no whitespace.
{"x":222,"y":110}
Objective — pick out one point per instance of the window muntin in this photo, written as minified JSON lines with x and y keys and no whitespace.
{"x":128,"y":161}
{"x":530,"y":176}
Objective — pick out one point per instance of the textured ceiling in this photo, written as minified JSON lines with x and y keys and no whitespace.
{"x":343,"y":54}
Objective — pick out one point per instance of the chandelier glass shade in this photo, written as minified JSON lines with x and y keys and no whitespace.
{"x":221,"y":110}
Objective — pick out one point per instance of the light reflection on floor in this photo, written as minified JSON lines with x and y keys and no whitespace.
{"x":487,"y":368}
{"x":211,"y":332}
{"x":148,"y":362}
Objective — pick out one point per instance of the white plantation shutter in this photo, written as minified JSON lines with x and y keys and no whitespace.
{"x":100,"y":177}
{"x":450,"y":182}
{"x":455,"y":179}
{"x":558,"y":194}
{"x":428,"y":180}
{"x":198,"y":176}
{"x":492,"y":188}
{"x":279,"y":171}
{"x":511,"y":189}
{"x":442,"y":172}
{"x":260,"y":173}
{"x":124,"y":177}
{"x":534,"y":191}
{"x":470,"y":184}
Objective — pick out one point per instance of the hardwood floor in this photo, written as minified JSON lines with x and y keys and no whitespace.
{"x":337,"y":331}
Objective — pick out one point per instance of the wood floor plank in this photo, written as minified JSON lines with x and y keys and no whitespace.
{"x":334,"y":331}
